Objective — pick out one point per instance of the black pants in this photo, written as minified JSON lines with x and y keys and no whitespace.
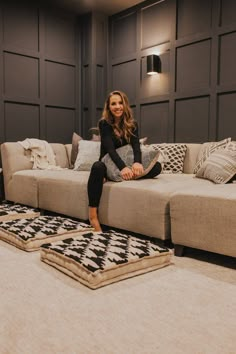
{"x":96,"y":180}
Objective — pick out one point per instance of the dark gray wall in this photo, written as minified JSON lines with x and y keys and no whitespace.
{"x":56,"y":69}
{"x":94,"y":39}
{"x":194,"y":97}
{"x":39,"y":72}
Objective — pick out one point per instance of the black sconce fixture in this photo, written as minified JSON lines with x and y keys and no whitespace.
{"x":153,"y":64}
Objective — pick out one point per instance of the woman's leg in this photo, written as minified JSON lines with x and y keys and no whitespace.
{"x":155,"y":171}
{"x":94,"y":187}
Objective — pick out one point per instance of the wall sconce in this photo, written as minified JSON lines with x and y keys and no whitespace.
{"x":153,"y":64}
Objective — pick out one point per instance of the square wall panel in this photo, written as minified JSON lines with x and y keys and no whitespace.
{"x":193,"y":17}
{"x":226,"y":116}
{"x":60,"y":84}
{"x":124,"y":79}
{"x":228,"y":12}
{"x":21,"y":26}
{"x":124,"y":35}
{"x":154,"y":122}
{"x":156,"y":24}
{"x":21,"y":121}
{"x":21,"y":76}
{"x":227,"y":67}
{"x":60,"y":37}
{"x":193,"y":66}
{"x":60,"y":125}
{"x":192,"y":120}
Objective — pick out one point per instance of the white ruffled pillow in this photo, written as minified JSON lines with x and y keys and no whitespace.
{"x":89,"y":152}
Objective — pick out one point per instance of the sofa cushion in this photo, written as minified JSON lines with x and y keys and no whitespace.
{"x":89,"y":152}
{"x":207,"y":149}
{"x":142,"y":205}
{"x":64,"y":192}
{"x":149,"y":159}
{"x":175,"y":156}
{"x":23,"y":187}
{"x":203,"y":217}
{"x":219,"y":167}
{"x":75,"y":147}
{"x":191,"y":157}
{"x":98,"y":259}
{"x":60,"y":155}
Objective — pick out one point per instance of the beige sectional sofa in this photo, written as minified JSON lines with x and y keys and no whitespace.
{"x":191,"y":211}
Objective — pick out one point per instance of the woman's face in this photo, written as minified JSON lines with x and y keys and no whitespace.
{"x":116,"y":106}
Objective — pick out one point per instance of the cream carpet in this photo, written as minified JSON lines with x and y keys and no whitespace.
{"x":188,"y":307}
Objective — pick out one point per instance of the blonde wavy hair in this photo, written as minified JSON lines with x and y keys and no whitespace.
{"x":126,"y":125}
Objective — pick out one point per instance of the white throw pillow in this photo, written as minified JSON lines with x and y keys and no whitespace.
{"x":89,"y":152}
{"x":219,"y":167}
{"x":207,"y":149}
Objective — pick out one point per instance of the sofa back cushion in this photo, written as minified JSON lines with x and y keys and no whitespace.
{"x":191,"y":157}
{"x":61,"y":155}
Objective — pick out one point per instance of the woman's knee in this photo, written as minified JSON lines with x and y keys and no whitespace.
{"x":155,"y":171}
{"x":99,"y":167}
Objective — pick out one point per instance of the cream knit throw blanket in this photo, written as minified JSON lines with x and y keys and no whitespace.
{"x":42,"y":154}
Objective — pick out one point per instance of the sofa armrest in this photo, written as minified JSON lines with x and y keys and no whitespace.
{"x":14,"y":158}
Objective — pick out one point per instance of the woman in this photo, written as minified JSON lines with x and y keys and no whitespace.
{"x":117,"y":128}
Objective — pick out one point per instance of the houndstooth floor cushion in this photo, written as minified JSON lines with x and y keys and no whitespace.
{"x":100,"y":258}
{"x":11,"y":211}
{"x":30,"y":233}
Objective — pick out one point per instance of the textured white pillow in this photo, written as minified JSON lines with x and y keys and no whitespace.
{"x":149,"y":157}
{"x":231,"y":146}
{"x":89,"y":152}
{"x":219,"y":167}
{"x":207,"y":149}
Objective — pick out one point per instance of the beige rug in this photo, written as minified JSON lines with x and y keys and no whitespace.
{"x":188,"y":307}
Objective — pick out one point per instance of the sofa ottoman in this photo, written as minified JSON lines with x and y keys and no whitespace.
{"x":203,"y":217}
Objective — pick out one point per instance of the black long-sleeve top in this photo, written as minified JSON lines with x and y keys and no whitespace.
{"x":110,"y":142}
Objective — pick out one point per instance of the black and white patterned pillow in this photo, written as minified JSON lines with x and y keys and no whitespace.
{"x":30,"y":233}
{"x":175,"y":156}
{"x":12,"y":211}
{"x":207,"y":149}
{"x":98,"y":259}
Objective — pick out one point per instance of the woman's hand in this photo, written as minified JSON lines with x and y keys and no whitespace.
{"x":137,"y":169}
{"x":127,"y":173}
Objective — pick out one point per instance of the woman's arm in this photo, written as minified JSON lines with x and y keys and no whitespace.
{"x":108,"y":145}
